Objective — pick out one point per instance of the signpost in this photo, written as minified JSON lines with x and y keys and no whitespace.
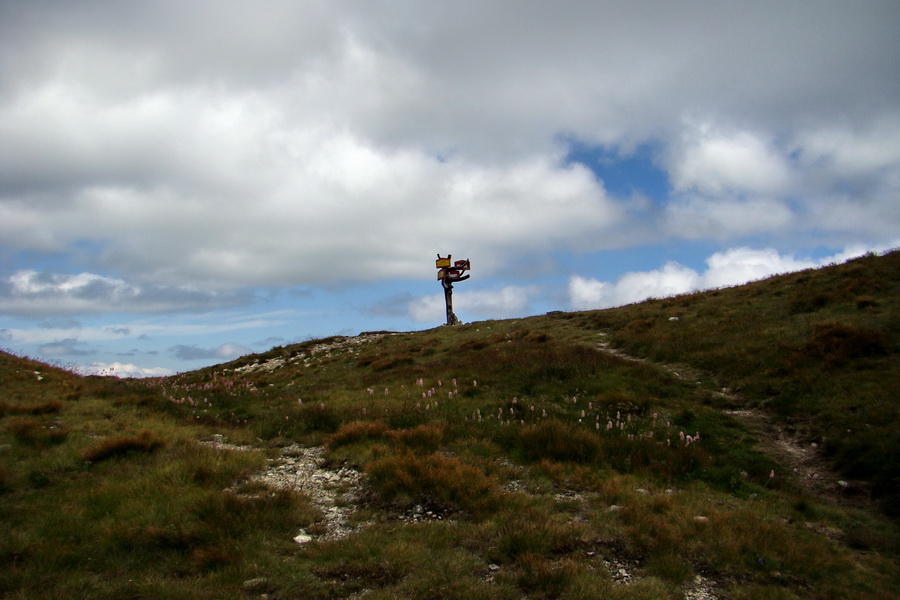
{"x":448,"y":273}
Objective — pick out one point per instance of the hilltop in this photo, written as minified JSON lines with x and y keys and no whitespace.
{"x":733,"y":443}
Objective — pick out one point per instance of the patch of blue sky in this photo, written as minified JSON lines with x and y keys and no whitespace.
{"x":72,"y":259}
{"x":623,"y":174}
{"x":608,"y":265}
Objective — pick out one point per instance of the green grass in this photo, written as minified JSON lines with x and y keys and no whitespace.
{"x":546,"y":458}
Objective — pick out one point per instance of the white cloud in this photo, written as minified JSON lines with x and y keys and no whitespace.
{"x":740,"y":265}
{"x":500,"y":303}
{"x":849,"y":152}
{"x":732,"y":267}
{"x":348,"y":212}
{"x":725,"y":218}
{"x":191,"y":149}
{"x":236,"y":146}
{"x":672,"y":279}
{"x":714,"y":162}
{"x":118,"y":369}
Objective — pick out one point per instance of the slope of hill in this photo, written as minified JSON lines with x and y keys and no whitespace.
{"x":736,"y":443}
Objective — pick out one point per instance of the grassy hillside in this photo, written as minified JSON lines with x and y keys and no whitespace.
{"x":640,"y":452}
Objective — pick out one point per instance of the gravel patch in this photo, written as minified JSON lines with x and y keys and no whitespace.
{"x":336,"y":492}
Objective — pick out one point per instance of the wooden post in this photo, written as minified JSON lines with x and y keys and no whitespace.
{"x":448,"y":298}
{"x":448,"y":274}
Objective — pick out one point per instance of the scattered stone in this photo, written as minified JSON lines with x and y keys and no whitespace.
{"x":336,"y":493}
{"x":615,"y":508}
{"x":218,"y":442}
{"x":301,"y":469}
{"x":619,"y":570}
{"x":701,"y":519}
{"x":493,"y":569}
{"x":700,"y":589}
{"x":314,"y":354}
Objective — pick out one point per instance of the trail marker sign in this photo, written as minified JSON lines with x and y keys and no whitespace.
{"x":449,"y":273}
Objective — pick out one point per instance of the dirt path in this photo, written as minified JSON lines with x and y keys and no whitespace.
{"x":802,"y":458}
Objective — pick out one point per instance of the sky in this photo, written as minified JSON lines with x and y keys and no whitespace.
{"x":183,"y":182}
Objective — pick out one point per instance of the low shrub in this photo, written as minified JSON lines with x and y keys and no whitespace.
{"x":31,"y":432}
{"x":212,"y":558}
{"x":807,"y":303}
{"x":554,"y":440}
{"x":530,"y":533}
{"x":426,"y":437}
{"x":638,"y":326}
{"x":146,"y":442}
{"x":392,"y":362}
{"x":46,"y":408}
{"x":433,"y":479}
{"x":549,"y":579}
{"x":356,"y":431}
{"x":319,"y":417}
{"x":6,"y":479}
{"x":839,"y":343}
{"x":863,"y":302}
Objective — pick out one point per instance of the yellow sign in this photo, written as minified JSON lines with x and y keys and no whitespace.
{"x":442,"y":262}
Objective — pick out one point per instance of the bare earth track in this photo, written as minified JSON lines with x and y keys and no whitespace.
{"x":801,"y":457}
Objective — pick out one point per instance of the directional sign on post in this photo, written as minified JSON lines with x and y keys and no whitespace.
{"x":448,"y":275}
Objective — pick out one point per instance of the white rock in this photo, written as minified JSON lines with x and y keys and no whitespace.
{"x":302,"y":537}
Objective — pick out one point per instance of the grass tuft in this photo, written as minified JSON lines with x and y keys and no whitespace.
{"x":356,"y":431}
{"x":144,"y":443}
{"x":31,"y":432}
{"x":434,"y":479}
{"x":44,"y":408}
{"x":558,"y":441}
{"x":839,"y":343}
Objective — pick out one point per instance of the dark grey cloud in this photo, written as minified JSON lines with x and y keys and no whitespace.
{"x":34,"y":293}
{"x":66,"y":347}
{"x":58,"y":322}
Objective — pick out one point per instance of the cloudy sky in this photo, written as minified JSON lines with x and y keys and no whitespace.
{"x":186,"y":181}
